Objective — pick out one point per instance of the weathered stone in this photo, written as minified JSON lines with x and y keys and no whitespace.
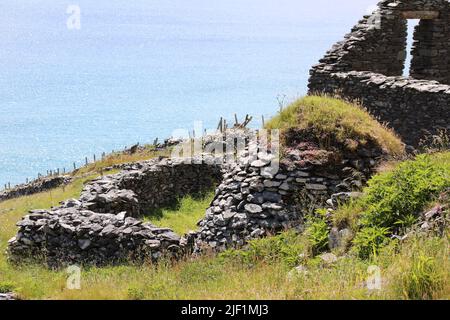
{"x":84,"y":243}
{"x":315,"y":186}
{"x":253,"y":208}
{"x":271,"y":196}
{"x":328,"y":258}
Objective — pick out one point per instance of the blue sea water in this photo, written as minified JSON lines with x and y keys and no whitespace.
{"x":140,"y":69}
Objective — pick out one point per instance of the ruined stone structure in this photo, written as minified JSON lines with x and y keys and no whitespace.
{"x":369,"y":63}
{"x":100,"y":227}
{"x":255,"y":196}
{"x":39,"y":185}
{"x":254,"y":201}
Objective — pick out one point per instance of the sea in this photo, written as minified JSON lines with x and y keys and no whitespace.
{"x":83,"y":77}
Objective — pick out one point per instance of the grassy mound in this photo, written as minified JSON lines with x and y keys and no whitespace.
{"x":332,"y":121}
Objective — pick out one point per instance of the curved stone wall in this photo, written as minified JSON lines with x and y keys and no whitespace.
{"x":254,"y":201}
{"x":99,"y":228}
{"x":256,"y":195}
{"x":144,"y":186}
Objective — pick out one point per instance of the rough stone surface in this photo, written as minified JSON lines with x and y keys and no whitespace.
{"x":249,"y":204}
{"x":144,"y":186}
{"x":7,"y":296}
{"x":368,"y":66}
{"x":99,"y":228}
{"x":253,"y":198}
{"x":65,"y":236}
{"x":36,"y":186}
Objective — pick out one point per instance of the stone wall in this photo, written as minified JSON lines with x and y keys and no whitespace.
{"x":256,"y":200}
{"x":40,"y":185}
{"x":144,"y":186}
{"x":414,"y":108}
{"x":256,"y":195}
{"x":99,"y":228}
{"x":376,"y":48}
{"x":70,"y":235}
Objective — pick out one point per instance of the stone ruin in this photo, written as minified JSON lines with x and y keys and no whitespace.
{"x":39,"y":185}
{"x":102,"y":226}
{"x":252,"y":199}
{"x":255,"y":196}
{"x":368,"y":66}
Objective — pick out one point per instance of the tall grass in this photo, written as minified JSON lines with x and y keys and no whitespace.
{"x":348,"y":123}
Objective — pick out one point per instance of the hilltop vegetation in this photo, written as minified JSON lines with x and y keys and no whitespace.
{"x":331,"y":121}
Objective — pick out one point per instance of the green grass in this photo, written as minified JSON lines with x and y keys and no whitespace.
{"x":148,"y":152}
{"x":403,"y":271}
{"x":330,"y":118}
{"x":183,"y":217}
{"x":393,"y":199}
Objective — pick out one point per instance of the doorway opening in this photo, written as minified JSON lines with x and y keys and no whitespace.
{"x":410,"y":43}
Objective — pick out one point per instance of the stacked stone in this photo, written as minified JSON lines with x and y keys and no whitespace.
{"x":377,"y":43}
{"x":367,"y":66}
{"x":257,"y":198}
{"x":65,"y":236}
{"x":431,"y":51}
{"x":144,"y":186}
{"x":7,"y":296}
{"x":97,"y":228}
{"x":37,"y":186}
{"x":414,"y":108}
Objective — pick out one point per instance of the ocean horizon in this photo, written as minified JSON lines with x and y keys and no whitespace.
{"x":136,"y":71}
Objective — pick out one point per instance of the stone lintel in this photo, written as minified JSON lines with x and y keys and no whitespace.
{"x":424,"y":15}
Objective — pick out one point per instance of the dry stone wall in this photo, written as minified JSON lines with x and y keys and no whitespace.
{"x":255,"y":200}
{"x":70,"y":235}
{"x":99,"y":228}
{"x":255,"y":196}
{"x":40,"y":185}
{"x":368,"y":66}
{"x":144,"y":186}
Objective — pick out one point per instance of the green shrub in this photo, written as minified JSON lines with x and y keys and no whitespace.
{"x":393,"y":199}
{"x":6,"y":287}
{"x":421,"y":280}
{"x":420,"y":269}
{"x":317,"y":233}
{"x":285,"y":247}
{"x":368,"y":241}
